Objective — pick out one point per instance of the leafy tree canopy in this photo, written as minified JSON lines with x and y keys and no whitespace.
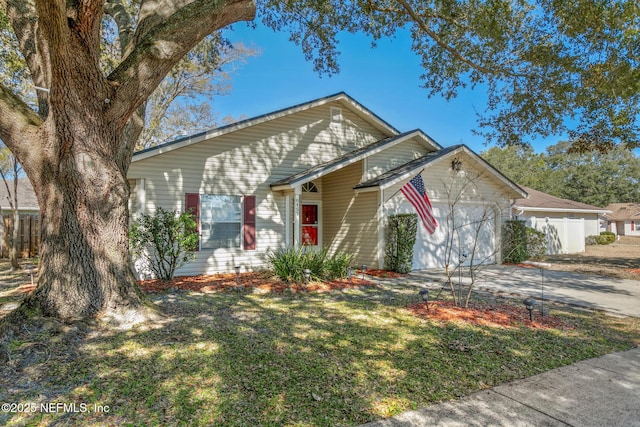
{"x":549,"y":66}
{"x":594,"y":178}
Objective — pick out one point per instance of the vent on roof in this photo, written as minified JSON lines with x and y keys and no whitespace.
{"x":336,"y":115}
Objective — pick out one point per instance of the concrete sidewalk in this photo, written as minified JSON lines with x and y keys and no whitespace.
{"x":599,"y":392}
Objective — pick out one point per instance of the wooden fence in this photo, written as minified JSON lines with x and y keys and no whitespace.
{"x":29,"y":236}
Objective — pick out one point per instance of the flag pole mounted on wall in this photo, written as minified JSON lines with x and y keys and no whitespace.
{"x":414,"y":191}
{"x":416,"y":194}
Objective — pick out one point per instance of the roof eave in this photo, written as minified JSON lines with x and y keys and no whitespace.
{"x":213,"y":133}
{"x":542,"y":209}
{"x":458,"y":149}
{"x":365,"y":153}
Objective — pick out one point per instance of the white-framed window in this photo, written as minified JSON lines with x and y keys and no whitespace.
{"x":220,"y":221}
{"x":309,"y":187}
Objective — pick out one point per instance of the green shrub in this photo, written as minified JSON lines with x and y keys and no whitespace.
{"x":401,"y":237}
{"x":166,"y":241}
{"x":590,"y":241}
{"x":536,"y":244}
{"x":514,"y":242}
{"x":605,"y":239}
{"x":337,"y":266}
{"x":289,"y":263}
{"x":608,"y":237}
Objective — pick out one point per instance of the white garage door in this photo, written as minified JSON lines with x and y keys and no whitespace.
{"x":473,"y":226}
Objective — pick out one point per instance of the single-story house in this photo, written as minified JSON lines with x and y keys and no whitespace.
{"x":324,"y":173}
{"x":565,"y":222}
{"x":624,"y":219}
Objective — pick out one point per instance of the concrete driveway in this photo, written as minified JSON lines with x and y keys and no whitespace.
{"x":615,"y":296}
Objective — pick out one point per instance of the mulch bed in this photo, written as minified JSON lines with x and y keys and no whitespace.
{"x":262,"y":281}
{"x":498,"y":315}
{"x":385,"y":274}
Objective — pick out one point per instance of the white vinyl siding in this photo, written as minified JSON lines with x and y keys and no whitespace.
{"x":393,"y":157}
{"x":349,"y":220}
{"x":246,"y":162}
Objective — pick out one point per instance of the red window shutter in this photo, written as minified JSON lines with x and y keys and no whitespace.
{"x":249,"y":223}
{"x":192,"y":204}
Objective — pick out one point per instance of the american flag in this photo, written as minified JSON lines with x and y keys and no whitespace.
{"x":414,"y":192}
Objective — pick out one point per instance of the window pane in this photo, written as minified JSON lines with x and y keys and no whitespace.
{"x":309,"y":235}
{"x":221,"y":235}
{"x":220,"y":221}
{"x":309,"y":214}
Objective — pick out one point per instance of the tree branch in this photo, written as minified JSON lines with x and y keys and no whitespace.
{"x":454,"y":52}
{"x":124,"y":21}
{"x":18,"y":124}
{"x":24,"y":22}
{"x":163,"y":45}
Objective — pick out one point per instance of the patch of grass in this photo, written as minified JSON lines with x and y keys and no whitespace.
{"x":326,"y":359}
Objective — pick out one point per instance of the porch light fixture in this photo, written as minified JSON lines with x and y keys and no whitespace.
{"x":529,"y":304}
{"x":424,"y":294}
{"x":456,"y":164}
{"x":307,"y":275}
{"x":364,"y":271}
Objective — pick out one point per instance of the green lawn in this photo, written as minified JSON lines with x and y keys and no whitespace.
{"x":308,"y":359}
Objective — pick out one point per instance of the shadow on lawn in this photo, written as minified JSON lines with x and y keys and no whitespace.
{"x":237,"y":358}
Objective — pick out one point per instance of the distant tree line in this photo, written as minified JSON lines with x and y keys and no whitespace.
{"x":594,"y":178}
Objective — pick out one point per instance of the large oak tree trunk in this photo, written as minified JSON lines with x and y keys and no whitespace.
{"x":76,"y":149}
{"x":84,"y":246}
{"x":83,"y":193}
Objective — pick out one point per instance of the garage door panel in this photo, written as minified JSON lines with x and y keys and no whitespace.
{"x":472,"y":227}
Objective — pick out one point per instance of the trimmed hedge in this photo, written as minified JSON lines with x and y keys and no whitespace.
{"x":514,"y":242}
{"x":401,"y":237}
{"x":536,"y":244}
{"x":521,"y":243}
{"x":605,"y":238}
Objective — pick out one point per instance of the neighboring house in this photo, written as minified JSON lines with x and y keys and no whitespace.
{"x":565,"y":222}
{"x":27,"y":201}
{"x":29,"y":212}
{"x":323,"y":173}
{"x":624,"y":219}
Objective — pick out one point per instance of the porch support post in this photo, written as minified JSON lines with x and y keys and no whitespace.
{"x":381,"y":223}
{"x":297,"y":228}
{"x":287,"y":220}
{"x":141,"y":196}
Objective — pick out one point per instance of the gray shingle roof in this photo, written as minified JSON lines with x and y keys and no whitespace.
{"x":624,"y":211}
{"x":26,"y":196}
{"x":538,"y":199}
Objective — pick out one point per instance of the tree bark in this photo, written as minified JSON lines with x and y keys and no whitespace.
{"x":85,"y":270}
{"x":78,"y":153}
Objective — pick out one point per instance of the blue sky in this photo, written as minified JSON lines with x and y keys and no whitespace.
{"x":385,"y":79}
